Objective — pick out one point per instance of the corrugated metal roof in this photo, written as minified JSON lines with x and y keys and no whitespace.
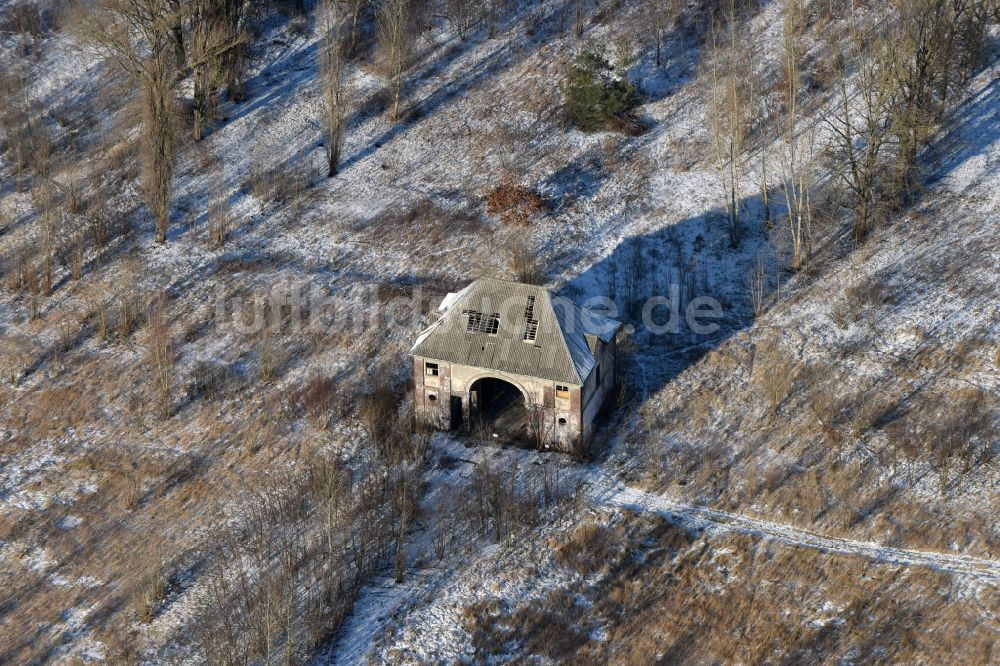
{"x":559,"y":350}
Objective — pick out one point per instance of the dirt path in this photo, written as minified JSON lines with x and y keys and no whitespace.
{"x":382,"y":599}
{"x":611,"y":494}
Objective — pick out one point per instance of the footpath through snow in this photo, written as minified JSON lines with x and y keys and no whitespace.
{"x":604,"y":492}
{"x":383,"y":598}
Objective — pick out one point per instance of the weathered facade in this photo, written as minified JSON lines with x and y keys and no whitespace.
{"x":517,"y":361}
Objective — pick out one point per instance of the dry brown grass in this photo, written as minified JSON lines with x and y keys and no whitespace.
{"x":861,"y":439}
{"x":774,"y":373}
{"x":420,"y":226}
{"x":735,"y":598}
{"x":591,"y":547}
{"x":145,"y":490}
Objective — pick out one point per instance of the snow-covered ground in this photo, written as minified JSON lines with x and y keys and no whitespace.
{"x":406,"y":212}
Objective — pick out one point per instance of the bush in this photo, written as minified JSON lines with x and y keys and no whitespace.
{"x":24,"y":19}
{"x":278,"y":185}
{"x":218,"y":223}
{"x":513,"y":203}
{"x":148,"y":595}
{"x":316,"y":395}
{"x":598,"y":92}
{"x":523,"y":259}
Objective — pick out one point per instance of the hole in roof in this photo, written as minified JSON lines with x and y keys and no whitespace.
{"x":530,"y":323}
{"x":479,"y":322}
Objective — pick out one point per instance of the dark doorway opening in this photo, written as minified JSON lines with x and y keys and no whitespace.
{"x":497,"y":409}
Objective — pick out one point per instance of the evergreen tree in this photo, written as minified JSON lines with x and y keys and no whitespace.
{"x":597,"y":91}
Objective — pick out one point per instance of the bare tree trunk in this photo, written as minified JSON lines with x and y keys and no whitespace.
{"x":158,"y":152}
{"x":758,"y":285}
{"x":797,"y":173}
{"x":161,"y":353}
{"x":136,"y":36}
{"x":463,"y":15}
{"x":729,"y":122}
{"x":335,"y":100}
{"x":357,"y":6}
{"x":177,"y":33}
{"x":657,"y":15}
{"x":861,"y":125}
{"x":396,"y":33}
{"x":214,"y":47}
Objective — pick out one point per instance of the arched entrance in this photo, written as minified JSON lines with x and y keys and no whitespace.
{"x":497,"y":408}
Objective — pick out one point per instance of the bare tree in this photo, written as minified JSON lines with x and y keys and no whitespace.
{"x":797,"y":153}
{"x":177,"y":12}
{"x":42,"y":196}
{"x":333,"y":90}
{"x":919,"y":62}
{"x":160,"y":353}
{"x":356,"y":9}
{"x":728,"y":110}
{"x":496,"y":11}
{"x":757,"y":283}
{"x":759,"y":111}
{"x":213,"y":54}
{"x":396,"y":32}
{"x":860,"y":125}
{"x":22,"y":130}
{"x":136,"y":36}
{"x":523,"y":257}
{"x":406,"y":510}
{"x":541,"y":423}
{"x":158,"y":155}
{"x":657,"y":17}
{"x":797,"y":168}
{"x":218,"y":219}
{"x":463,"y":15}
{"x":937,"y":44}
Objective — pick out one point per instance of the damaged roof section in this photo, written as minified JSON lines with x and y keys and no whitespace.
{"x":516,"y":328}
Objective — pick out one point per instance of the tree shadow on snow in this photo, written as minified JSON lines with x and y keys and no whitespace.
{"x":680,"y":290}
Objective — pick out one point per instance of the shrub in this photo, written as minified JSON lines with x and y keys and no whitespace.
{"x":317,"y":395}
{"x":278,"y":185}
{"x":160,"y":353}
{"x":512,"y":202}
{"x":24,"y":19}
{"x":209,"y":380}
{"x":596,"y":91}
{"x":148,"y":595}
{"x":775,"y":380}
{"x":523,"y":259}
{"x":379,"y":416}
{"x":218,"y":223}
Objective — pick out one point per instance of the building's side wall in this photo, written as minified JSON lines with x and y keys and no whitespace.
{"x":596,"y":394}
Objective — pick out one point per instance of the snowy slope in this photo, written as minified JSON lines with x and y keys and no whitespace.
{"x":408,"y":211}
